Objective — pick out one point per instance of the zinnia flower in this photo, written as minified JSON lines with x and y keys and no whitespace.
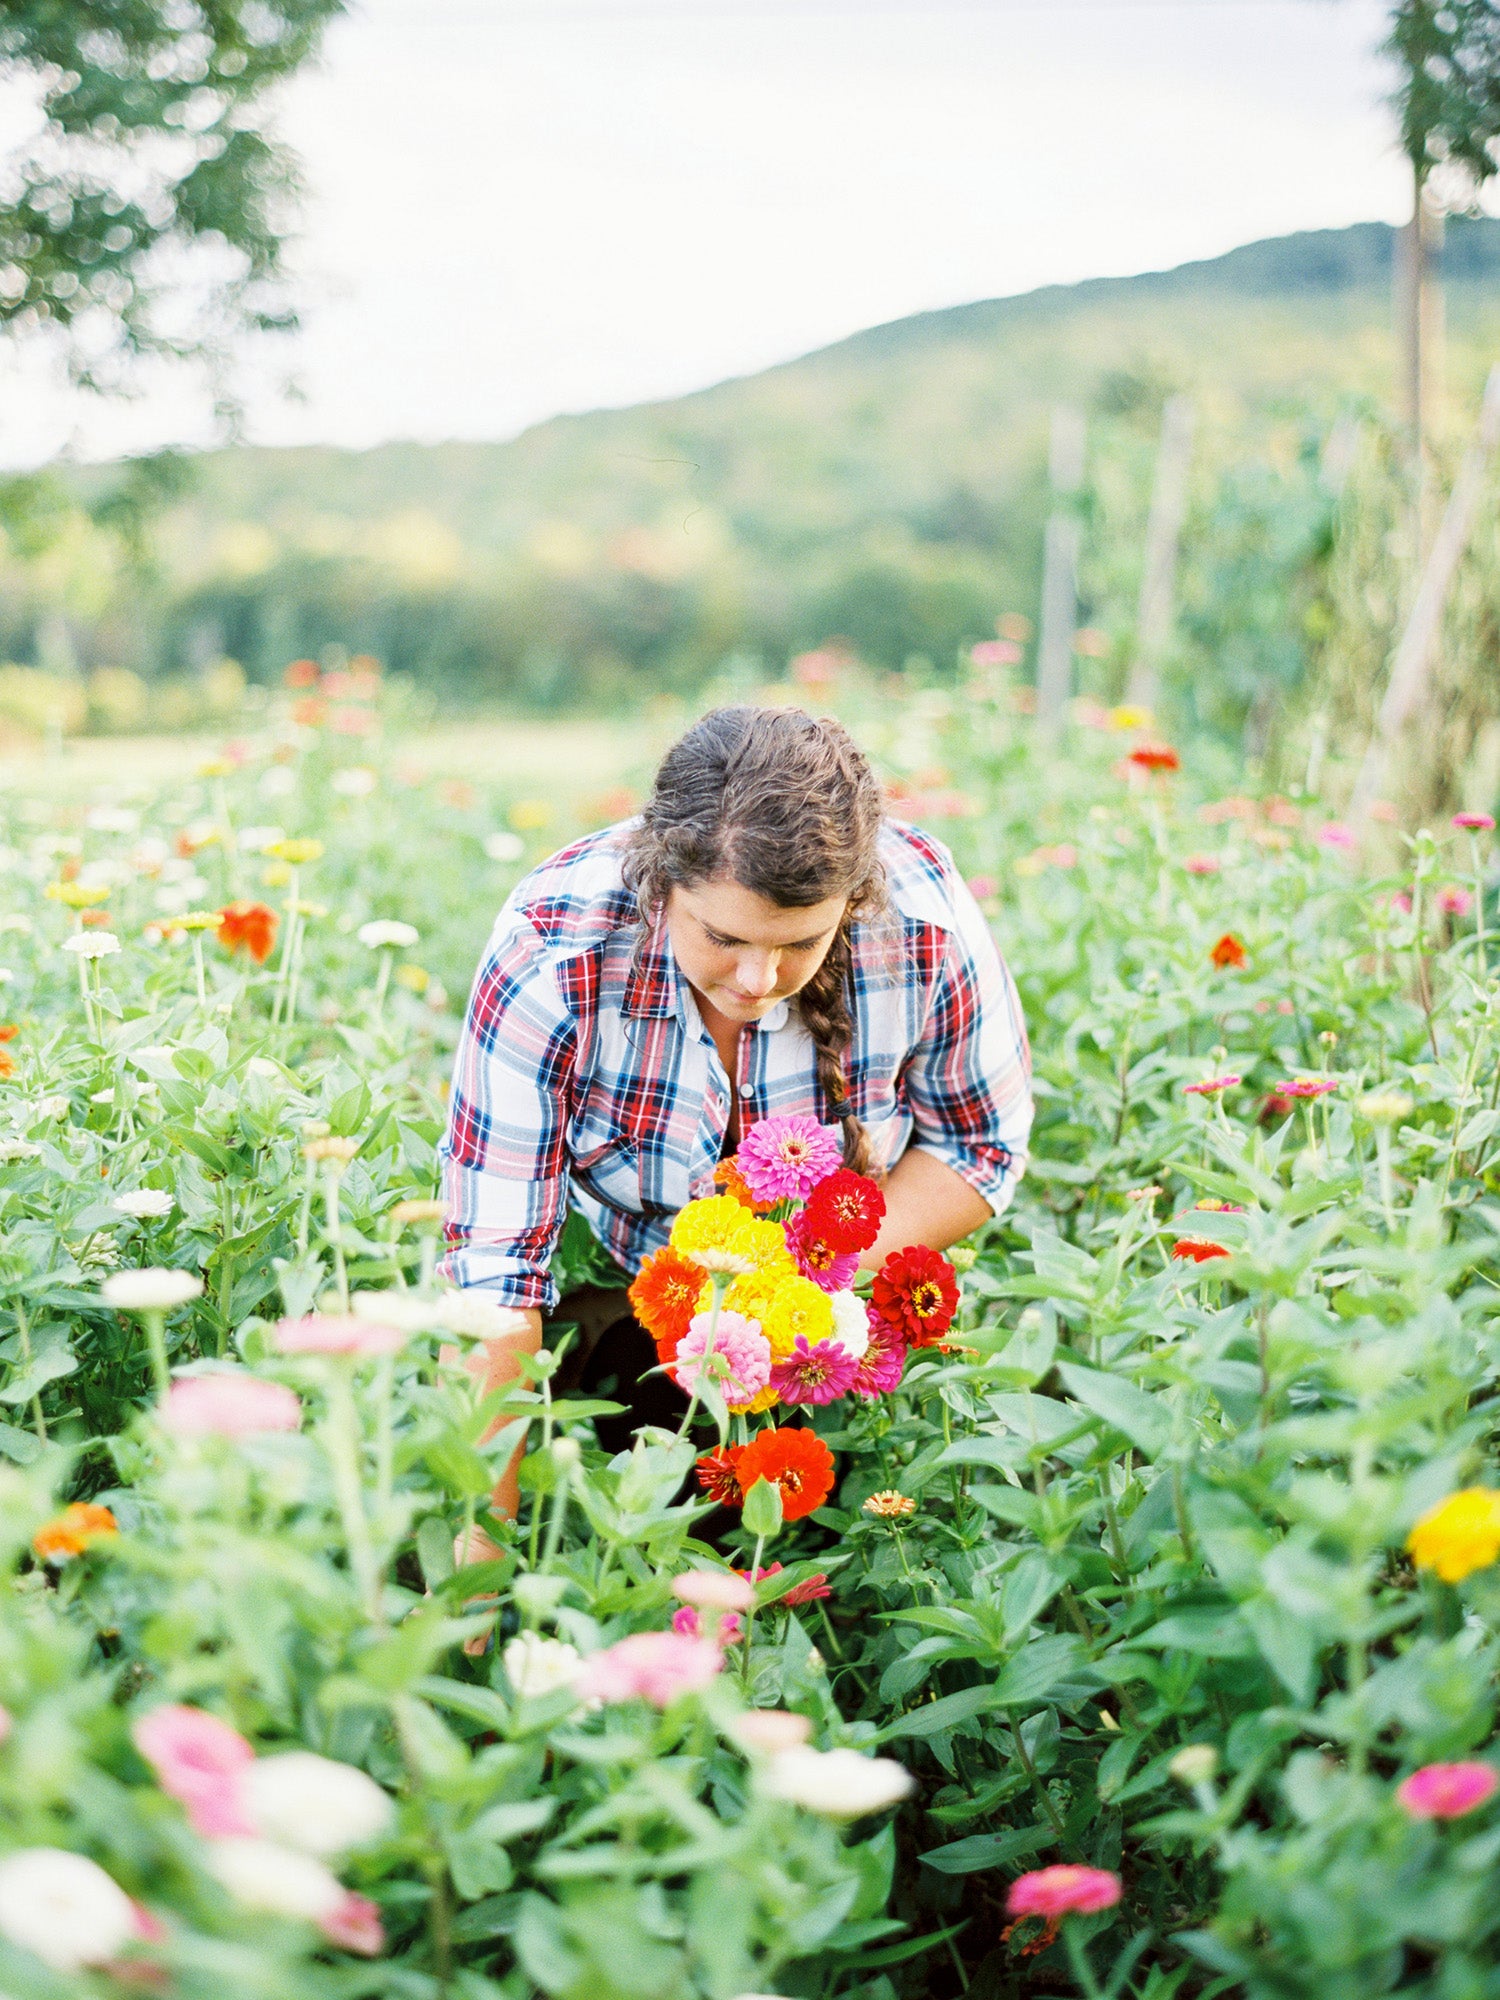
{"x":728,"y":1176}
{"x":784,"y":1158}
{"x":72,"y":1531}
{"x":388,"y":931}
{"x":1307,"y":1086}
{"x":832,"y":1270}
{"x":316,"y":1804}
{"x":795,"y":1308}
{"x":536,"y":1665}
{"x":846,"y":1211}
{"x":851,"y":1323}
{"x":1459,"y":1535}
{"x":650,"y":1666}
{"x":718,"y":1475}
{"x":1447,"y":1791}
{"x":716,"y":1589}
{"x":1229,"y":952}
{"x":838,"y":1784}
{"x":666,"y":1293}
{"x":1453,"y":901}
{"x":916,"y":1291}
{"x":1055,"y":1892}
{"x":1475,"y":822}
{"x":814,"y":1374}
{"x":1210,"y":1086}
{"x":1336,"y":834}
{"x":1201,"y":864}
{"x":232,"y":1403}
{"x":1197,"y":1249}
{"x":797,"y":1460}
{"x":202,"y":1763}
{"x":889,"y":1505}
{"x":716,"y":1233}
{"x":741,"y":1360}
{"x":687,"y":1623}
{"x":806,"y":1592}
{"x":63,"y":1908}
{"x":335,"y":1333}
{"x":1155,"y":757}
{"x":154,"y":1289}
{"x":141,"y":1203}
{"x":880,"y":1367}
{"x":248,"y":927}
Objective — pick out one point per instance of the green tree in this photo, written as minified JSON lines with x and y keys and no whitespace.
{"x":143,"y":212}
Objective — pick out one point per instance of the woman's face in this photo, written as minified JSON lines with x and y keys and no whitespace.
{"x":742,"y":953}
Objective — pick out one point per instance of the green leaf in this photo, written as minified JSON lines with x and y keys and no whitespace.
{"x":763,"y":1509}
{"x":1125,"y":1408}
{"x":987,"y":1850}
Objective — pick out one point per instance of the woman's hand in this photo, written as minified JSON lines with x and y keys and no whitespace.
{"x":925,"y":1202}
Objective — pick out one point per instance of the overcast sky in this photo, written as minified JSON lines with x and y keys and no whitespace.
{"x":519,"y":207}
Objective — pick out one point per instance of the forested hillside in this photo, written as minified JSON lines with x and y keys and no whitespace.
{"x":889,"y":491}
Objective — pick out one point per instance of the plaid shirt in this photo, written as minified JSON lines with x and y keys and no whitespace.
{"x":585,"y":1075}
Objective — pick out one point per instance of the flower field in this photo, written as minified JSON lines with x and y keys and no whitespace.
{"x":1112,"y":1610}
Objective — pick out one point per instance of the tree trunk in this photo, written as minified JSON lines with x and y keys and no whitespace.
{"x":1054,"y":660}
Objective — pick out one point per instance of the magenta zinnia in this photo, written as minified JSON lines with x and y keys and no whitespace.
{"x":878,"y":1370}
{"x":1210,"y":1086}
{"x":814,"y":1374}
{"x":816,"y":1257}
{"x":1447,"y":1791}
{"x":784,"y":1158}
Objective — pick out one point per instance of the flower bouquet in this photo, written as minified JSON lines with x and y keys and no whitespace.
{"x":753,"y":1308}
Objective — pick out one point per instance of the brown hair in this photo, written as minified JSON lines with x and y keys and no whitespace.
{"x":784,"y":804}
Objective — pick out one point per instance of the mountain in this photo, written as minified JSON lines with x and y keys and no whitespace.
{"x":889,"y":489}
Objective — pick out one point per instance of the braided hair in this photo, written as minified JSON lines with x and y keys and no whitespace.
{"x":784,"y":804}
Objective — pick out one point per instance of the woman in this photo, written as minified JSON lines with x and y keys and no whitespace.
{"x":761,"y":940}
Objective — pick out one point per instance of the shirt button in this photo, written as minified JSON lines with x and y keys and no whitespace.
{"x":747,"y":1090}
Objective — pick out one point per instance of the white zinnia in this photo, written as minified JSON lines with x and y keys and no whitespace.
{"x":386,"y":930}
{"x":354,"y":781}
{"x":19,"y":1149}
{"x":505,"y":847}
{"x":256,"y":839}
{"x":143,"y":1202}
{"x":63,"y":1907}
{"x":91,"y":944}
{"x":262,"y":1876}
{"x":112,"y":819}
{"x":151,"y":1290}
{"x":536,"y":1665}
{"x":851,"y":1323}
{"x":315,"y":1804}
{"x":839,"y":1784}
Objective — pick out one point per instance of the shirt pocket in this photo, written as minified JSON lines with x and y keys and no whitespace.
{"x":604,"y":1152}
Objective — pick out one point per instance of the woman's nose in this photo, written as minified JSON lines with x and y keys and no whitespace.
{"x":757,"y":975}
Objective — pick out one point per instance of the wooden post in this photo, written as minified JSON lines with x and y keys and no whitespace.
{"x":1163,"y":534}
{"x":1054,"y":657}
{"x":1419,"y":315}
{"x":1412,"y":662}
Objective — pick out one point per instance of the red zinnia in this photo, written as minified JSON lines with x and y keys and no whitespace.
{"x":664,"y":1298}
{"x":845,"y":1211}
{"x":1154,"y":757}
{"x":252,"y":925}
{"x":802,"y":1593}
{"x":1197,"y":1249}
{"x":797,"y":1461}
{"x":1229,"y":951}
{"x":718,"y":1475}
{"x":916,"y":1291}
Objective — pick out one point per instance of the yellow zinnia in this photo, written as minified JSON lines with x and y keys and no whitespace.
{"x":721,"y":1229}
{"x":766,"y":1400}
{"x":1459,"y":1535}
{"x":796,"y":1305}
{"x":296,"y":852}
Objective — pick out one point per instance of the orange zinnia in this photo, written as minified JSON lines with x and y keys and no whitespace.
{"x":7,"y":1063}
{"x":1229,"y":951}
{"x":9,"y":1030}
{"x":665,"y":1296}
{"x":797,"y":1460}
{"x":73,"y":1530}
{"x":728,"y":1176}
{"x":252,"y":925}
{"x":1154,"y":757}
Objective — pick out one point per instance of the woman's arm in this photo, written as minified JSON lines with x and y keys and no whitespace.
{"x":925,"y":1202}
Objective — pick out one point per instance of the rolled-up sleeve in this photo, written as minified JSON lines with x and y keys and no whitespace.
{"x":968,"y":1081}
{"x":504,"y":1156}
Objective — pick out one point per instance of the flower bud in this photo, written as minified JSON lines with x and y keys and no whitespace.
{"x":1195,"y":1764}
{"x":566,"y":1452}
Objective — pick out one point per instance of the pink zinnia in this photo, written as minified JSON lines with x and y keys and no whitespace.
{"x":741,"y":1361}
{"x":354,"y":1925}
{"x":1336,"y":834}
{"x":229,"y":1405}
{"x":687,"y":1622}
{"x":784,"y":1158}
{"x":336,"y":1333}
{"x":1475,"y":822}
{"x":982,"y":887}
{"x":879,"y":1369}
{"x":1454,"y":902}
{"x":1447,"y":1791}
{"x":650,"y":1666}
{"x":1307,"y":1086}
{"x":832,"y":1269}
{"x":1201,"y":864}
{"x":201,"y":1762}
{"x":819,"y":1373}
{"x":1067,"y":1886}
{"x":1210,"y":1087}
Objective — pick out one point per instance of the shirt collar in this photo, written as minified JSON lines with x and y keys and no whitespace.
{"x":655,"y":989}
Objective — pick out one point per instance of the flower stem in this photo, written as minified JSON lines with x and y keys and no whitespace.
{"x":345,"y":1446}
{"x":156,"y":1343}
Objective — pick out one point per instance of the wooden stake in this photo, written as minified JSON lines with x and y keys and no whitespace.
{"x":1064,"y":541}
{"x":1412,"y":662}
{"x":1163,"y":534}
